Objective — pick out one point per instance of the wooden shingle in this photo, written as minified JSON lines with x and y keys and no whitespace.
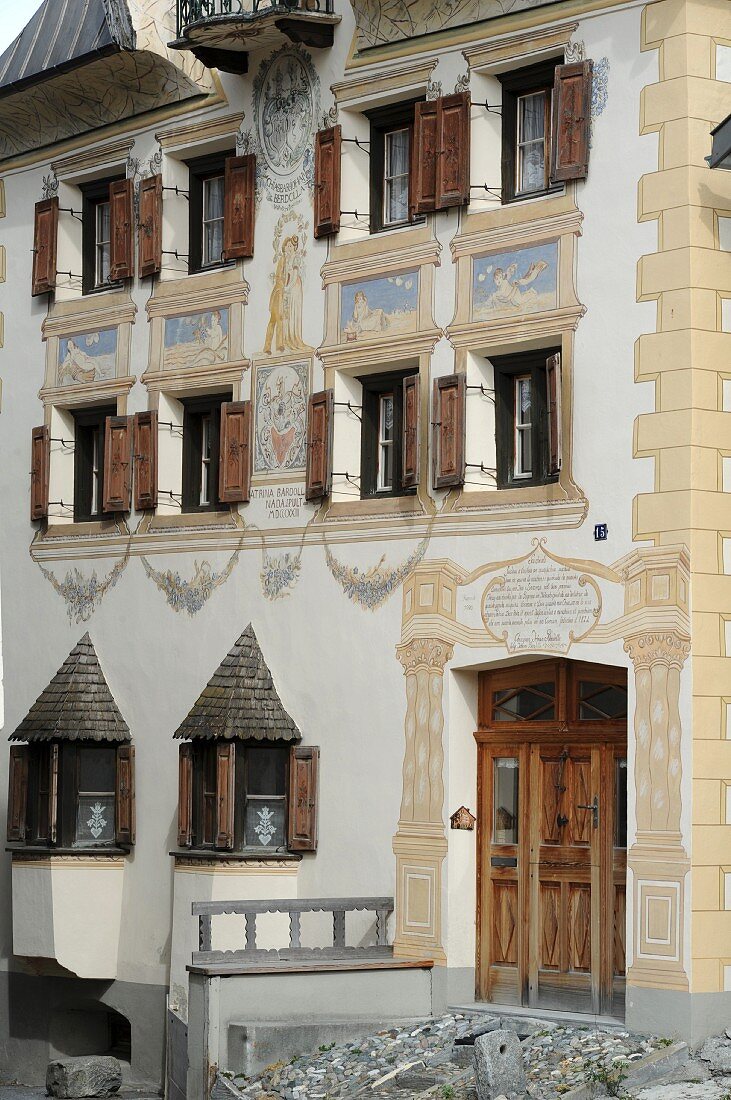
{"x":76,"y":705}
{"x":240,"y":700}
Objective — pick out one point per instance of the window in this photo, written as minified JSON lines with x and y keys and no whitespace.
{"x":391,"y":152}
{"x":89,"y":463}
{"x":527,"y":121}
{"x":96,"y":235}
{"x":381,"y":466}
{"x":207,"y":211}
{"x":527,"y":420}
{"x":201,"y":445}
{"x":260,"y":796}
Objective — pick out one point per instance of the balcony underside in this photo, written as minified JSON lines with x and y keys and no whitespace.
{"x":223,"y":41}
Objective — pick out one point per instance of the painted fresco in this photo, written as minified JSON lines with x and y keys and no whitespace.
{"x":383,"y":306}
{"x":89,"y":357}
{"x":281,"y":417}
{"x":196,"y":340}
{"x":289,"y":244}
{"x":510,"y":284}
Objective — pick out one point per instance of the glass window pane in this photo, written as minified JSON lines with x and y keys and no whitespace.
{"x":213,"y":198}
{"x":532,"y":116}
{"x":397,"y":200}
{"x":620,"y":803}
{"x":264,"y":826}
{"x":94,"y":820}
{"x":597,"y":701}
{"x":505,"y":801}
{"x":267,"y":771}
{"x":397,"y":152}
{"x":97,"y":769}
{"x":213,"y":242}
{"x":533,"y":704}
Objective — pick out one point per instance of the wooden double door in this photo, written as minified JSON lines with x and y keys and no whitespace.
{"x":552,"y":855}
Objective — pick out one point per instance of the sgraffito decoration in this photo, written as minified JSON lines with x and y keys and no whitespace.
{"x":373,"y":587}
{"x":599,"y":92}
{"x":382,"y":21}
{"x":82,"y":595}
{"x":289,"y":245}
{"x":190,"y":595}
{"x":281,"y":417}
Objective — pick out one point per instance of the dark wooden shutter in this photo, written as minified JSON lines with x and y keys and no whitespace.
{"x":453,"y":151}
{"x":304,"y":763}
{"x":124,"y":806}
{"x":410,"y":445}
{"x":117,"y":464}
{"x":328,"y":144}
{"x":448,"y":426}
{"x":553,"y":400}
{"x":234,"y":467}
{"x":225,"y":793}
{"x":17,"y":792}
{"x":150,"y":231}
{"x":53,"y":795}
{"x":145,"y":460}
{"x":423,"y":183}
{"x":238,"y":207}
{"x":571,"y":120}
{"x":122,"y":220}
{"x":45,"y":246}
{"x":40,"y":471}
{"x":319,"y":445}
{"x":185,"y":795}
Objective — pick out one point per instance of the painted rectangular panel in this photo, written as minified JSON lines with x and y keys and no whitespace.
{"x":514,"y":283}
{"x":281,"y":399}
{"x":196,"y":339}
{"x":87,"y":357}
{"x":379,"y":307}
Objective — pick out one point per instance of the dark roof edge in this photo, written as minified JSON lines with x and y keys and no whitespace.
{"x":58,"y":70}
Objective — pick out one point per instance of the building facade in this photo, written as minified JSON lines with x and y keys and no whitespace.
{"x":365,"y":372}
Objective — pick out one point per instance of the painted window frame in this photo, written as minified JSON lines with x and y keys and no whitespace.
{"x":374,"y":386}
{"x":200,"y":170}
{"x":385,"y":120}
{"x":507,"y":369}
{"x":195,"y":409}
{"x":89,"y":431}
{"x":517,"y":85}
{"x":93,"y":196}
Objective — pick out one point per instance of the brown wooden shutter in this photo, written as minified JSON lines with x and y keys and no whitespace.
{"x":117,"y":464}
{"x":185,"y":795}
{"x":17,"y":792}
{"x":410,"y":445}
{"x":319,"y":445}
{"x":225,"y":793}
{"x":53,"y":795}
{"x":40,"y":471}
{"x":150,"y":231}
{"x":328,"y":145}
{"x":453,"y":157}
{"x":304,"y":763}
{"x":239,"y":207}
{"x":553,"y":398}
{"x":122,"y":220}
{"x":571,"y":120}
{"x":45,"y":246}
{"x":124,"y":805}
{"x":234,"y":467}
{"x":423,"y":183}
{"x":448,"y":425}
{"x":145,"y":460}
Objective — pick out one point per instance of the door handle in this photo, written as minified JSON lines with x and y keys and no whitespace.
{"x":594,"y":807}
{"x":562,"y":820}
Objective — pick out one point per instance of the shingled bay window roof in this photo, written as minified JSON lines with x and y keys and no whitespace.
{"x":77,"y":704}
{"x":240,"y":700}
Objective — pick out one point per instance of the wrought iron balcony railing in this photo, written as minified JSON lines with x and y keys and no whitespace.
{"x":192,"y":12}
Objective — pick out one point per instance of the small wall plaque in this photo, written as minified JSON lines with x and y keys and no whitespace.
{"x":462,"y":819}
{"x":600,"y":532}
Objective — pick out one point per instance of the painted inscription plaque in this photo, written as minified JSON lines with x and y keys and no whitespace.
{"x":540,"y":603}
{"x":511,"y":284}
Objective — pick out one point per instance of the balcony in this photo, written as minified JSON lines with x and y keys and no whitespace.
{"x":221,"y":32}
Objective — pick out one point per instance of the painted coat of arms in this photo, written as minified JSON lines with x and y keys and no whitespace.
{"x":281,"y":417}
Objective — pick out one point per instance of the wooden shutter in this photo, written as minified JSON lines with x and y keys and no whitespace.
{"x":185,"y":795}
{"x":225,"y":790}
{"x":553,"y":399}
{"x":319,"y":445}
{"x":40,"y":471}
{"x":124,"y":804}
{"x":423,"y":183}
{"x":53,"y":795}
{"x":453,"y":156}
{"x":238,"y":207}
{"x":328,"y":145}
{"x":17,"y":792}
{"x":122,"y":220}
{"x":571,"y":119}
{"x":150,"y":231}
{"x":117,"y":464}
{"x":234,"y":467}
{"x":410,"y":444}
{"x":448,"y":427}
{"x":145,"y":460}
{"x":45,"y":246}
{"x":304,"y":763}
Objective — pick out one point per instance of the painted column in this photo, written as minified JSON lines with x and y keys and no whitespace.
{"x":658,"y":860}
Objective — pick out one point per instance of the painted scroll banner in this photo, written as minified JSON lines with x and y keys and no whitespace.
{"x":540,"y":603}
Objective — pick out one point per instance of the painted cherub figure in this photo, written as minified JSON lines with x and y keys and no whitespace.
{"x":508,"y":292}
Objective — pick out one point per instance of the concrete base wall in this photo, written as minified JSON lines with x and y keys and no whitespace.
{"x":43,"y":1017}
{"x":677,"y":1015}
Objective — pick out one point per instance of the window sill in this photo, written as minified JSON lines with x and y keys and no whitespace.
{"x":376,"y":506}
{"x":40,"y":851}
{"x":533,"y":195}
{"x":62,"y":529}
{"x":245,"y":855}
{"x":193,"y":520}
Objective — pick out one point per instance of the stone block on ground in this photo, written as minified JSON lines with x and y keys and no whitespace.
{"x":716,"y":1051}
{"x":77,"y":1078}
{"x":499,"y":1066}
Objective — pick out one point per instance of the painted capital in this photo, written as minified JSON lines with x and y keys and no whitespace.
{"x":424,"y":653}
{"x":658,"y":647}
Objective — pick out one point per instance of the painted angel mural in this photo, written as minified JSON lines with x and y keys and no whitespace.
{"x":509,"y":291}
